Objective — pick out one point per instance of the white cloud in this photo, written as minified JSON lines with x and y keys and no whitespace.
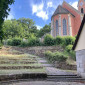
{"x":42,"y":14}
{"x":10,"y":16}
{"x":39,"y":11}
{"x":74,"y":4}
{"x":49,"y":4}
{"x":38,"y":27}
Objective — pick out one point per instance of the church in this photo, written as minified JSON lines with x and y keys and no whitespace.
{"x":66,"y":20}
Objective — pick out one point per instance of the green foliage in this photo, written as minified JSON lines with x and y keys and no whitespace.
{"x":69,"y":48}
{"x":12,"y":29}
{"x":59,"y":40}
{"x":9,"y":42}
{"x":48,"y":40}
{"x":44,"y":30}
{"x":24,"y":44}
{"x":4,"y":9}
{"x":68,"y":40}
{"x":33,"y":41}
{"x":55,"y":56}
{"x":14,"y":42}
{"x":70,"y":52}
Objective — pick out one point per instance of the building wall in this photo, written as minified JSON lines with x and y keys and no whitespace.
{"x":80,"y":59}
{"x":81,"y":6}
{"x":55,"y":18}
{"x":62,"y":16}
{"x":81,"y":41}
{"x":77,"y":18}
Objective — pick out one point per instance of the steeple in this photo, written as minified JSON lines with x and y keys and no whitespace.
{"x":81,"y":6}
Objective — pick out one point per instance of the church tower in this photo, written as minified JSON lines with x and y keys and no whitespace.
{"x":81,"y":6}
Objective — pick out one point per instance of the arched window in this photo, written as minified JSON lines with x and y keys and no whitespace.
{"x":56,"y":27}
{"x":82,"y":11}
{"x":64,"y":27}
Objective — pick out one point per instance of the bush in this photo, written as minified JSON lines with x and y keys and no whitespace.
{"x":55,"y":56}
{"x":9,"y":42}
{"x":33,"y":41}
{"x":68,"y":40}
{"x":24,"y":44}
{"x":14,"y":42}
{"x":59,"y":40}
{"x":69,"y":48}
{"x":48,"y":40}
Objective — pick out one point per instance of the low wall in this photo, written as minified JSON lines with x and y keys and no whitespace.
{"x":39,"y":50}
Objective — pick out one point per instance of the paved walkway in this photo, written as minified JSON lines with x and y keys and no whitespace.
{"x":45,"y":83}
{"x":50,"y":70}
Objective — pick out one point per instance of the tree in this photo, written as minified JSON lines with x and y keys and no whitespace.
{"x":29,"y":26}
{"x":4,"y":9}
{"x":12,"y":29}
{"x":44,"y":30}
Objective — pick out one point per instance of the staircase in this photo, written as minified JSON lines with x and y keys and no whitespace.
{"x":65,"y":78}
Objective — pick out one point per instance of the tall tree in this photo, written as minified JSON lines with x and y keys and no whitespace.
{"x":44,"y":30}
{"x":13,"y":29}
{"x":4,"y":9}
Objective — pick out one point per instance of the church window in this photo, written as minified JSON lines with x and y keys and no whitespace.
{"x":82,"y":11}
{"x":64,"y":27}
{"x":56,"y":27}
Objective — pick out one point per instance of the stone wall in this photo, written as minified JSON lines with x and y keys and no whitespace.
{"x":80,"y":58}
{"x":65,"y":66}
{"x":39,"y":50}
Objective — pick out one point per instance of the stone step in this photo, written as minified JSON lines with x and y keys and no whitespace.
{"x":20,"y":67}
{"x":23,"y":76}
{"x":65,"y":78}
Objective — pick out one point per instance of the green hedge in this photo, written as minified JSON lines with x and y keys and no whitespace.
{"x":55,"y":56}
{"x":14,"y":42}
{"x":48,"y":40}
{"x":68,"y":40}
{"x":59,"y":40}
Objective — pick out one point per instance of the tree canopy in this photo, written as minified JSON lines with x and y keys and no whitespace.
{"x":23,"y":28}
{"x":4,"y":11}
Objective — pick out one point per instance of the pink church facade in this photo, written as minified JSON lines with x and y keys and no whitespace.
{"x":66,"y":20}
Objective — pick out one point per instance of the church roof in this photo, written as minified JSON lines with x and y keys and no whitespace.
{"x":61,"y":10}
{"x":79,"y":33}
{"x":72,"y":8}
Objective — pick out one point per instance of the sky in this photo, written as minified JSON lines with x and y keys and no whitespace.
{"x":38,"y":10}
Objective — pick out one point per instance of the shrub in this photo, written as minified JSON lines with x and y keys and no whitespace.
{"x":33,"y":41}
{"x":9,"y":42}
{"x":24,"y":44}
{"x":69,"y":48}
{"x":73,"y":55}
{"x":59,"y":40}
{"x":14,"y":42}
{"x":60,"y":57}
{"x":68,"y":40}
{"x":55,"y":56}
{"x":48,"y":40}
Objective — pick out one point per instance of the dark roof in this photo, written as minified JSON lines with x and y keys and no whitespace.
{"x":79,"y":33}
{"x":72,"y":8}
{"x":61,"y":10}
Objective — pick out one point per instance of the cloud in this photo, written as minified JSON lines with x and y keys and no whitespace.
{"x":49,"y":4}
{"x":39,"y":11}
{"x":38,"y":27}
{"x":10,"y":16}
{"x":74,"y":4}
{"x":44,"y":8}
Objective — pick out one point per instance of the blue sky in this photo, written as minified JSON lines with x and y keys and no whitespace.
{"x":38,"y":10}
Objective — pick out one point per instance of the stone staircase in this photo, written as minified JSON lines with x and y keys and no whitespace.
{"x":65,"y":78}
